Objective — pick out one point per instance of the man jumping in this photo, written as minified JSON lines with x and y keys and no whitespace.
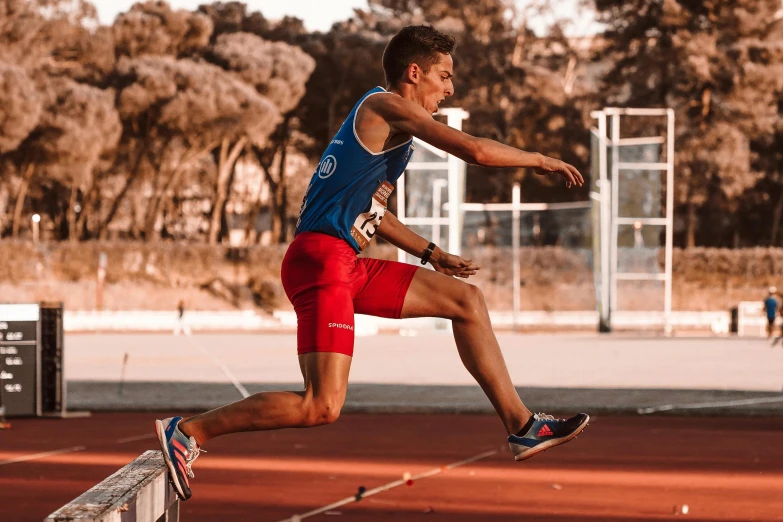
{"x":343,"y":209}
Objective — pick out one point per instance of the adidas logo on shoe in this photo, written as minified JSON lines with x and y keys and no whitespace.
{"x":544,"y":431}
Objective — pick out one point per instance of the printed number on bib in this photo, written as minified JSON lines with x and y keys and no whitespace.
{"x":367,"y":224}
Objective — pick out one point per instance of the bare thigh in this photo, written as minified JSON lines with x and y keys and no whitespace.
{"x":432,"y":294}
{"x":326,"y":375}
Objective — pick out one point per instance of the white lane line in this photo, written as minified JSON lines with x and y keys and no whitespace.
{"x":390,"y":485}
{"x":217,"y":362}
{"x":43,"y":455}
{"x":698,"y":406}
{"x":134,"y":439}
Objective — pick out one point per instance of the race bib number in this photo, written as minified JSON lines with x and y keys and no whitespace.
{"x":367,"y":224}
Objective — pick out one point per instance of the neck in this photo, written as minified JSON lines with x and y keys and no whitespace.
{"x":403,"y":90}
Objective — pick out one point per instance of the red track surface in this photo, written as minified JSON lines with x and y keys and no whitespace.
{"x":620,"y":468}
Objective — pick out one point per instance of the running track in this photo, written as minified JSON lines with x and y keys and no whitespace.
{"x":620,"y":468}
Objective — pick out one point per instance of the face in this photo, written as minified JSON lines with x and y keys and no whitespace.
{"x":435,"y":85}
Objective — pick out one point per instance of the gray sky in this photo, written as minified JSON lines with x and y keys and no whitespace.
{"x":319,"y":15}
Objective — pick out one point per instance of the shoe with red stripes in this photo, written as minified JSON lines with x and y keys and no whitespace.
{"x":179,"y":452}
{"x":545,"y":432}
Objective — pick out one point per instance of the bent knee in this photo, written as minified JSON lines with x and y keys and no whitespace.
{"x":320,"y":411}
{"x":470,"y":303}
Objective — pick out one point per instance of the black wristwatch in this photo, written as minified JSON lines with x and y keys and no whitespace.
{"x":427,"y":253}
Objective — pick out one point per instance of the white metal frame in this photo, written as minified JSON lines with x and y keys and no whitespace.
{"x":455,"y":182}
{"x":609,"y":199}
{"x":517,"y":207}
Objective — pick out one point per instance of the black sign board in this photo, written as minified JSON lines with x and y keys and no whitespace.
{"x":18,"y":378}
{"x":20,"y":359}
{"x":16,"y":331}
{"x":31,"y":360}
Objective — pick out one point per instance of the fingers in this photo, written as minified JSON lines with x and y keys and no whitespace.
{"x":568,"y":175}
{"x":577,"y":175}
{"x":468,"y":267}
{"x":572,"y":176}
{"x":457,"y":267}
{"x":463,"y":273}
{"x":466,"y":272}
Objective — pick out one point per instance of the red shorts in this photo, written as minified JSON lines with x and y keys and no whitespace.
{"x":327,"y":284}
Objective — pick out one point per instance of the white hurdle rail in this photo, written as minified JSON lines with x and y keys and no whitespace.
{"x":139,"y":492}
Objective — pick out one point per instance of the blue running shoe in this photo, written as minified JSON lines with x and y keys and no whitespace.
{"x":179,"y":452}
{"x":545,"y":433}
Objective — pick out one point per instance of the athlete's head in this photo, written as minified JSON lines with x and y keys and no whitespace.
{"x":419,"y":57}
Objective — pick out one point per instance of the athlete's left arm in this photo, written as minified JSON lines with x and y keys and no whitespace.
{"x":396,"y":233}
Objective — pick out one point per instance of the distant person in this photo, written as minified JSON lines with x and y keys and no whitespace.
{"x":771,"y":307}
{"x":182,"y":325}
{"x":780,"y":312}
{"x":343,"y":209}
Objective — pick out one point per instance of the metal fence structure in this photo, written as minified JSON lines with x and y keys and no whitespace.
{"x":431,"y":201}
{"x":632,"y":153}
{"x":624,"y":231}
{"x":564,"y":224}
{"x":431,"y":175}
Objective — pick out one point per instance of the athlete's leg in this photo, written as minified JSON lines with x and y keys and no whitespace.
{"x":398,"y":290}
{"x":326,"y":382}
{"x":478,"y":348}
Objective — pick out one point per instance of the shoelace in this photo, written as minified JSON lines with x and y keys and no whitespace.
{"x":194,"y":451}
{"x":544,"y":416}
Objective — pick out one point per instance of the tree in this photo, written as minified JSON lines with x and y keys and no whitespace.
{"x":275,"y":69}
{"x":279,"y":72}
{"x":21,"y":32}
{"x":758,"y":103}
{"x":32,"y":30}
{"x":84,"y":55}
{"x":207,"y":108}
{"x":232,"y":17}
{"x":347,"y":64}
{"x":78,"y":125}
{"x":153,"y":28}
{"x":149,"y":28}
{"x":698,"y":58}
{"x":20,"y":106}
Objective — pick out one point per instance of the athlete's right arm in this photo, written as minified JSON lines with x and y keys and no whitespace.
{"x":410,"y":118}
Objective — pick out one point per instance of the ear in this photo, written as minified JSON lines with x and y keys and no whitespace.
{"x":413,"y":73}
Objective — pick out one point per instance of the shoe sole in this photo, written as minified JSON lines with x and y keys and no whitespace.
{"x":160,"y":430}
{"x":551,"y":443}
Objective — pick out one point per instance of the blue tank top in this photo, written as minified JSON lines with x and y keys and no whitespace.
{"x":349,"y":191}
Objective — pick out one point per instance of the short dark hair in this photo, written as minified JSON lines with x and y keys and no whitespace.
{"x":418,"y":44}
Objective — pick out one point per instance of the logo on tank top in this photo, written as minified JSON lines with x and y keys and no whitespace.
{"x":327,"y":167}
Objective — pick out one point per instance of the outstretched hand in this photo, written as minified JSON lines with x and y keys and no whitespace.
{"x":452,"y":265}
{"x":568,"y":172}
